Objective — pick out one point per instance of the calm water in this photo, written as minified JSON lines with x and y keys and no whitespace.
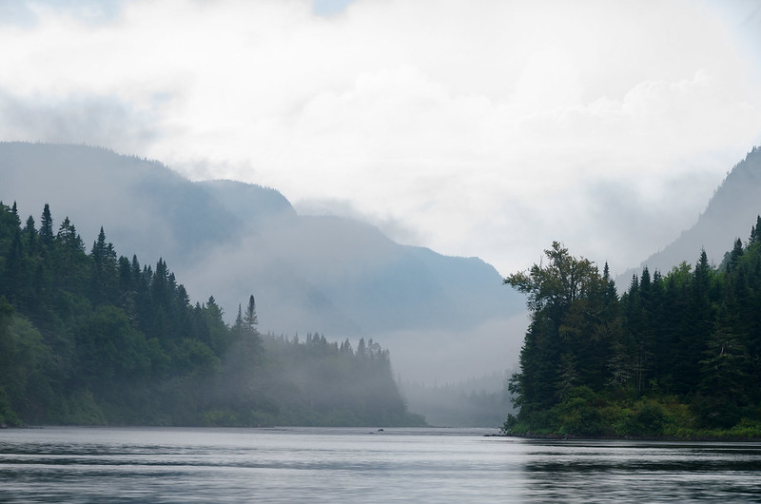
{"x":360,"y":466}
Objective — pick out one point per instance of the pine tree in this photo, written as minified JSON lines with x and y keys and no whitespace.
{"x":724,"y":369}
{"x":250,"y":318}
{"x":732,"y":258}
{"x":14,"y":212}
{"x":104,"y":279}
{"x":30,"y":235}
{"x":755,"y":232}
{"x":239,"y":318}
{"x":697,"y":328}
{"x":46,"y":228}
{"x":13,"y":276}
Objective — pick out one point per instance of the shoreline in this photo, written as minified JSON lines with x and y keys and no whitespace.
{"x":654,"y":439}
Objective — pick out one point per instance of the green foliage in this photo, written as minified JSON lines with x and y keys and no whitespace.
{"x":80,"y":408}
{"x":8,"y":416}
{"x":324,"y":383}
{"x":676,"y":355}
{"x":97,"y":339}
{"x":647,"y":419}
{"x":571,"y":337}
{"x":579,"y":414}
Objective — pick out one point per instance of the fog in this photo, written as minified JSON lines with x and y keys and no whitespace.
{"x":482,"y":131}
{"x":445,"y":320}
{"x":334,"y":275}
{"x":493,"y":345}
{"x":481,"y":401}
{"x":728,"y":215}
{"x":400,"y":157}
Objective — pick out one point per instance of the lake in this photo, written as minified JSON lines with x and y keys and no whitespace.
{"x":314,"y":465}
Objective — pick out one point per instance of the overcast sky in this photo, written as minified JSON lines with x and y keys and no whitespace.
{"x":477,"y":128}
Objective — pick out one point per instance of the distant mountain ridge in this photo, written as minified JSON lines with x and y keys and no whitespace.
{"x":248,"y":201}
{"x":729,"y":215}
{"x":150,"y":209}
{"x":309,"y":273}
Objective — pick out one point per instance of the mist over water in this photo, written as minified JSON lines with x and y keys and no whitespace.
{"x":355,"y":184}
{"x":443,"y":318}
{"x":362,"y":465}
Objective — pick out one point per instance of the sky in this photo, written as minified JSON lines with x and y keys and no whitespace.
{"x":486,"y":128}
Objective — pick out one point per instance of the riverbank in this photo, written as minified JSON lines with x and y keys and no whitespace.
{"x":724,"y":438}
{"x":586,"y":415}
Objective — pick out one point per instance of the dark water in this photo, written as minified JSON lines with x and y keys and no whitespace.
{"x":361,"y":466}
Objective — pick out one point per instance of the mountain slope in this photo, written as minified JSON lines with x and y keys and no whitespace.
{"x":250,"y":203}
{"x":142,"y":204}
{"x":732,"y":209}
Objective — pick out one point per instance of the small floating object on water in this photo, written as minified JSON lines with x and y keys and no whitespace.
{"x":380,"y":430}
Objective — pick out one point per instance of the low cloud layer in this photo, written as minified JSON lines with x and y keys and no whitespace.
{"x":77,"y":118}
{"x":485,"y":130}
{"x":455,"y":356}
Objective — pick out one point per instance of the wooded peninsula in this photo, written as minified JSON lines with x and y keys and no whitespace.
{"x":675,"y":356}
{"x":98,"y":339}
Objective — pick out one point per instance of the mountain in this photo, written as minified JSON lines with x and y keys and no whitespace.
{"x":334,"y":275}
{"x":152,"y":210}
{"x":731,"y":210}
{"x":251,"y":204}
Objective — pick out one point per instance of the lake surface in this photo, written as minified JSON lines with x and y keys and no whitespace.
{"x":171,"y":465}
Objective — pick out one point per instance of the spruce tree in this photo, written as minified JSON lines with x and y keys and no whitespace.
{"x":46,"y":228}
{"x":30,"y":235}
{"x":250,"y":318}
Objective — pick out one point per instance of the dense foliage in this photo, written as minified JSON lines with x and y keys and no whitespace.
{"x":676,"y":355}
{"x":94,"y":338}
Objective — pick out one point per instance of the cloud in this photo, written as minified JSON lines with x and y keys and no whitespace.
{"x":484,"y":130}
{"x":77,"y":119}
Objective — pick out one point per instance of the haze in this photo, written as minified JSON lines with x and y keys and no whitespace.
{"x":483,"y":129}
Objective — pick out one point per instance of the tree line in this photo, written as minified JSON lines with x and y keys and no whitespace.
{"x":675,"y":355}
{"x":97,"y":338}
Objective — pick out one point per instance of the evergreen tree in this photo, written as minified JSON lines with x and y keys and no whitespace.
{"x":12,"y":278}
{"x":46,"y":228}
{"x":559,"y":296}
{"x":92,"y":338}
{"x":755,"y":232}
{"x":684,"y":349}
{"x":250,"y":319}
{"x":30,"y":236}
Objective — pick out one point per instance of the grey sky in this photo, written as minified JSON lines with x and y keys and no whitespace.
{"x":486,"y":129}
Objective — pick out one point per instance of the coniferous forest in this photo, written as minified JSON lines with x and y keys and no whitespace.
{"x":97,"y":338}
{"x":674,"y":356}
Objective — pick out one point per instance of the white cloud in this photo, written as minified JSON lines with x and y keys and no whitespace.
{"x":486,"y":129}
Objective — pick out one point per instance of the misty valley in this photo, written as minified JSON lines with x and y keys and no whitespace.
{"x":321,"y":286}
{"x":293,"y":320}
{"x":98,"y":339}
{"x":378,"y":251}
{"x":375,"y":355}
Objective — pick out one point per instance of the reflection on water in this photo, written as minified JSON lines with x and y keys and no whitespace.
{"x":643,"y":472}
{"x":84,"y":465}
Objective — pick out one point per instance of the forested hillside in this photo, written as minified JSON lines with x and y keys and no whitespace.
{"x":676,"y":355}
{"x":95,"y":338}
{"x":335,"y":275}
